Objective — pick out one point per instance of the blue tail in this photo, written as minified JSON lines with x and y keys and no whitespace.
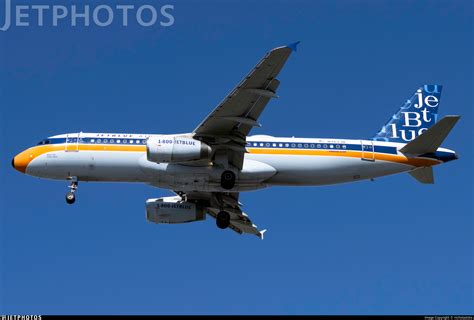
{"x":418,"y":114}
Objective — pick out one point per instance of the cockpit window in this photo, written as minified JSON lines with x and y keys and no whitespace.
{"x":45,"y":141}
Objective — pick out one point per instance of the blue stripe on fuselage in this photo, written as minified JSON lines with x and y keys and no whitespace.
{"x":253,"y":144}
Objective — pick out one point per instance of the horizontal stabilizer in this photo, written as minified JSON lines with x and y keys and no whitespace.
{"x":430,"y":140}
{"x":423,"y":175}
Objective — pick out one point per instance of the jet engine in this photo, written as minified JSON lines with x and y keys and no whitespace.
{"x":175,"y":149}
{"x":173,"y":210}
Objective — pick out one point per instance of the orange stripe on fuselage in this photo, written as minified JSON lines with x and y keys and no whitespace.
{"x":418,"y":162}
{"x":24,"y":158}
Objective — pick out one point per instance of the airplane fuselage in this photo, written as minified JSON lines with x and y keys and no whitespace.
{"x":269,"y":161}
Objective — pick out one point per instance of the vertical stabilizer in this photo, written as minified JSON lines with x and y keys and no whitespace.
{"x":416,"y":115}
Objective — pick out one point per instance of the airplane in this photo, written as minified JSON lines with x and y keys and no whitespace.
{"x":209,"y":167}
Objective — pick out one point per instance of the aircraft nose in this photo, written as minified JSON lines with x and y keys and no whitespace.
{"x":21,"y":161}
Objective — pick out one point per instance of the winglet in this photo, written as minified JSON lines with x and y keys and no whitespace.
{"x":293,"y":46}
{"x":261,"y":233}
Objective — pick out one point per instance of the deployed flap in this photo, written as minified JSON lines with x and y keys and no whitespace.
{"x":423,"y":175}
{"x":239,"y":222}
{"x":229,"y":202}
{"x":430,"y":140}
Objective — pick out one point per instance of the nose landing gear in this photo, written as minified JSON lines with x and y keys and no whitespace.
{"x":70,"y":196}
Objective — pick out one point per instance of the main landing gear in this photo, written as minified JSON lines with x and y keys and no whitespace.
{"x":227,"y":180}
{"x":70,"y":196}
{"x":223,"y":220}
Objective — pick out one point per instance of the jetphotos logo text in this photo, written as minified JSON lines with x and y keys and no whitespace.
{"x":100,"y":15}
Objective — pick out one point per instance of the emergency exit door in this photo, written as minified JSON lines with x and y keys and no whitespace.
{"x":368,"y":152}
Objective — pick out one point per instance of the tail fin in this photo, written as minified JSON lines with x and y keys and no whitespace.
{"x":418,"y":114}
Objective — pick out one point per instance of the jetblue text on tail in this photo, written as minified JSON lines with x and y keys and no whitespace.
{"x":418,"y":114}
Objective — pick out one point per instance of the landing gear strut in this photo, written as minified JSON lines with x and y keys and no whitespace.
{"x":70,"y":196}
{"x":223,"y":220}
{"x":227,"y":179}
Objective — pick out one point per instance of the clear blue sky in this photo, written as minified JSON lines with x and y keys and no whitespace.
{"x":388,"y":246}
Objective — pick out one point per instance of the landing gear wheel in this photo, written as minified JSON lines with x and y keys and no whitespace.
{"x":223,"y":220}
{"x":70,"y":197}
{"x":227,"y":180}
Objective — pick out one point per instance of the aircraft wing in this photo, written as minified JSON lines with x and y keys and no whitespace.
{"x":231,"y":121}
{"x":217,"y":201}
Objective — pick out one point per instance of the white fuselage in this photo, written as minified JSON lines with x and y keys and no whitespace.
{"x":268,"y":161}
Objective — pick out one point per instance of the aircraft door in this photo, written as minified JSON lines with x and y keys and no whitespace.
{"x":72,"y":142}
{"x":368,"y":150}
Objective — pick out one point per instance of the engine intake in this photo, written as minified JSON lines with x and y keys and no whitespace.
{"x":175,"y":149}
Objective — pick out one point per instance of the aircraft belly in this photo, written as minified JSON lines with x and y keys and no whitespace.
{"x":260,"y":170}
{"x":321,"y":170}
{"x":183,"y":177}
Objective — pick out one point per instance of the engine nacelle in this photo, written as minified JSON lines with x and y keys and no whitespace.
{"x":173,"y":210}
{"x":175,"y":149}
